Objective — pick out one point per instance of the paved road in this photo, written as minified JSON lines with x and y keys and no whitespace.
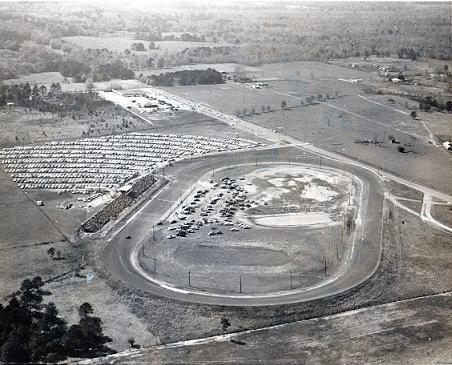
{"x":121,"y":255}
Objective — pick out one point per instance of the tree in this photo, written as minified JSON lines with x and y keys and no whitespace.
{"x":283,"y":105}
{"x":131,"y":341}
{"x":225,"y":324}
{"x":32,"y":332}
{"x":161,"y":62}
{"x":85,"y":310}
{"x":86,"y":338}
{"x":152,"y":45}
{"x":43,"y":90}
{"x":413,"y":115}
{"x":89,"y":84}
{"x":51,"y":252}
{"x":268,"y":108}
{"x":263,"y":108}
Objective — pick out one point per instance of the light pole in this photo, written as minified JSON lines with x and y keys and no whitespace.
{"x":290,"y":274}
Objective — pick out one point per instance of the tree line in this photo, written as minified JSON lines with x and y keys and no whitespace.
{"x":49,"y":99}
{"x":187,"y":77}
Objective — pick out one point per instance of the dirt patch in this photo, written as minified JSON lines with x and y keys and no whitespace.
{"x":294,"y":219}
{"x":209,"y":255}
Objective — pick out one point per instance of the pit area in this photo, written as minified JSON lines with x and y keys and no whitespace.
{"x":257,"y":229}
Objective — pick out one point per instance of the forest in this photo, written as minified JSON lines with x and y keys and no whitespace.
{"x":187,"y":77}
{"x":31,"y":37}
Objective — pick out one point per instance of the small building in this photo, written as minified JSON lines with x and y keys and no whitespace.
{"x":125,"y":189}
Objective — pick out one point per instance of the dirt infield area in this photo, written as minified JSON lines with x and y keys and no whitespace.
{"x":256,"y":229}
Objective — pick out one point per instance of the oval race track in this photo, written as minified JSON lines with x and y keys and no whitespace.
{"x":120,"y":256}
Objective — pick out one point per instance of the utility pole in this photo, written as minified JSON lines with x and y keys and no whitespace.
{"x":189,"y":278}
{"x":142,"y":251}
{"x":155,"y":265}
{"x":240,"y":284}
{"x":325,"y":265}
{"x":289,"y":159}
{"x":290,"y":274}
{"x":153,"y":232}
{"x":320,"y":162}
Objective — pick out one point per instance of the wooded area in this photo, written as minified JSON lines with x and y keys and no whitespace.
{"x":33,"y":41}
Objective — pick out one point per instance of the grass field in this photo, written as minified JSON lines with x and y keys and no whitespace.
{"x":119,"y":44}
{"x":336,"y":123}
{"x":43,"y":78}
{"x":372,"y":336}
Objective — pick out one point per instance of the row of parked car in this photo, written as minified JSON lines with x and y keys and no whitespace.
{"x":214,"y":207}
{"x":108,"y":161}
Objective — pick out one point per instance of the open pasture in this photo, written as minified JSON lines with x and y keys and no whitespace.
{"x":120,"y":44}
{"x":338,"y":124}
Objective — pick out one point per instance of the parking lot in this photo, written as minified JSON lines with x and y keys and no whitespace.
{"x":105,"y":163}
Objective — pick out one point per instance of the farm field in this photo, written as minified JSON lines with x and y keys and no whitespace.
{"x":443,"y":213}
{"x":293,"y":71}
{"x":336,"y":124}
{"x":185,"y":122}
{"x":220,"y":67}
{"x":17,"y":208}
{"x":371,"y":335}
{"x":42,"y":78}
{"x":119,"y":44}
